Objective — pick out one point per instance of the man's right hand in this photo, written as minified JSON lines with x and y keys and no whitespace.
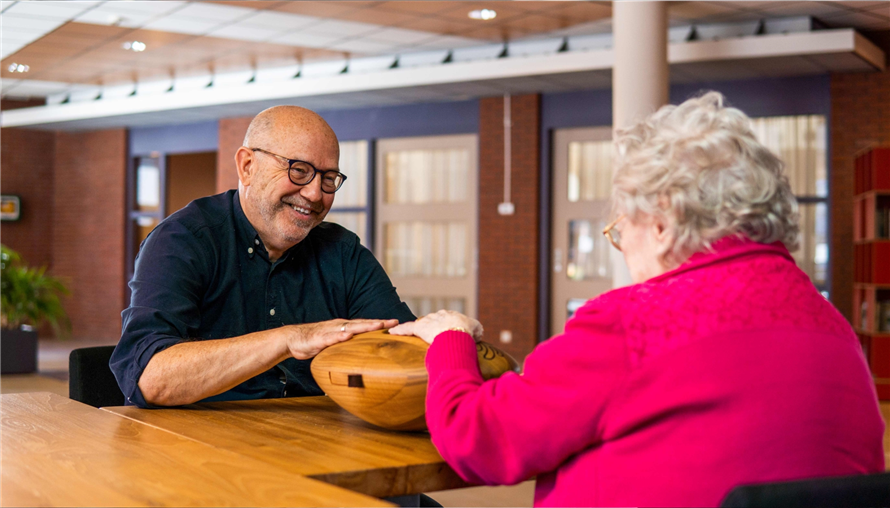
{"x":306,"y":341}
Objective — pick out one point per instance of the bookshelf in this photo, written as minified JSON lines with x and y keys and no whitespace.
{"x":871,"y":262}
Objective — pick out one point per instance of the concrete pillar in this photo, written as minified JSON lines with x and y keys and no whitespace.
{"x":640,"y":79}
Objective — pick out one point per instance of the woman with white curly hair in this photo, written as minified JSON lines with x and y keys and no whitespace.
{"x":721,"y":365}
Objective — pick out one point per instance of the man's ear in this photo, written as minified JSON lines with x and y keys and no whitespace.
{"x":246,"y":165}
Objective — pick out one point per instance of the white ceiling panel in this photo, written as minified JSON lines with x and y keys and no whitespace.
{"x":304,"y":39}
{"x":17,"y":36}
{"x":213,"y":12}
{"x":182,"y":25}
{"x":143,"y":6}
{"x":100,"y":16}
{"x":52,"y":10}
{"x":401,"y":36}
{"x":341,"y":28}
{"x":275,"y":21}
{"x":364,"y":46}
{"x":450,"y":42}
{"x":15,"y":21}
{"x":243,"y":31}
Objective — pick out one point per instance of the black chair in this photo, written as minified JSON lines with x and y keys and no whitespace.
{"x":840,"y":491}
{"x":90,"y":379}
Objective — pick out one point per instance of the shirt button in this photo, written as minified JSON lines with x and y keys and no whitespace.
{"x":256,"y":241}
{"x":250,"y":250}
{"x":272,"y":312}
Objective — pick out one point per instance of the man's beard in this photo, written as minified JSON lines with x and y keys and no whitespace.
{"x":291,"y":231}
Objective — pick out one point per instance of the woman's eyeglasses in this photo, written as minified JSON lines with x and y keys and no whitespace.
{"x":612,"y":233}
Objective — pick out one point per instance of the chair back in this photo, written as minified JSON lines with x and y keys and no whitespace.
{"x":840,"y":491}
{"x":90,"y":379}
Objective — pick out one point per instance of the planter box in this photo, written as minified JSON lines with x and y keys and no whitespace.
{"x":18,"y":351}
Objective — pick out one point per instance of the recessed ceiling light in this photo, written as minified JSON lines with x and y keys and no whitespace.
{"x":16,"y":67}
{"x":483,"y":14}
{"x":134,"y":46}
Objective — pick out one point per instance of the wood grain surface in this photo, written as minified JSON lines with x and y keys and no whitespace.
{"x":382,"y":378}
{"x":58,"y":452}
{"x":313,"y":436}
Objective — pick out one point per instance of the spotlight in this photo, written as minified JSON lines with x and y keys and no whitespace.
{"x":482,"y":14}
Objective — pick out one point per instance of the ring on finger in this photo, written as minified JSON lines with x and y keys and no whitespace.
{"x":343,"y":328}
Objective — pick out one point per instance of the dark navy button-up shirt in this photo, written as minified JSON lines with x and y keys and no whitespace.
{"x":203,"y":274}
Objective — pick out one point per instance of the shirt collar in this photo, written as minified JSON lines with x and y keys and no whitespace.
{"x":246,"y":232}
{"x":726,"y":248}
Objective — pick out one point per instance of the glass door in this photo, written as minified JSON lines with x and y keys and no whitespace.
{"x":582,"y":256}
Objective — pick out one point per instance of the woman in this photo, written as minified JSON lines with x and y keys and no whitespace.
{"x":721,"y":365}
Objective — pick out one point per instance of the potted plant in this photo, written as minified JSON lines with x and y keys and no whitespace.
{"x":28,"y":299}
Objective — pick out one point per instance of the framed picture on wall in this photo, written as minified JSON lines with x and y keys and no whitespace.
{"x":10,"y":207}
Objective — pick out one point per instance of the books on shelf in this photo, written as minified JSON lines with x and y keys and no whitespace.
{"x":883,"y":308}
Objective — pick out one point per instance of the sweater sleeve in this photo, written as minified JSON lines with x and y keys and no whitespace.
{"x":505,"y":430}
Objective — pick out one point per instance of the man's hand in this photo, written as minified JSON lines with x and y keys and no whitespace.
{"x":306,"y":341}
{"x":431,"y":325}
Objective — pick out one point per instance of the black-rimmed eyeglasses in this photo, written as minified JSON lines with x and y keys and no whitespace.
{"x":302,"y":172}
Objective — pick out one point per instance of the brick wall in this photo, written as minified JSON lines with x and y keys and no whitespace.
{"x":231,"y":135}
{"x":26,"y":169}
{"x":860,"y":118}
{"x":89,"y":230}
{"x":508,"y":245}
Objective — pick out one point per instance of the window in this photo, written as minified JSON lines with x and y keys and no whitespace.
{"x":800,"y":141}
{"x":351,"y":209}
{"x":426,"y":220}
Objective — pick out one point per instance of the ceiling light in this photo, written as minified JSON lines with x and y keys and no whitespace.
{"x":483,"y":14}
{"x":134,"y":46}
{"x":16,"y":67}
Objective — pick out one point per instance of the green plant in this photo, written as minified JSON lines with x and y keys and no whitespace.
{"x":30,"y":297}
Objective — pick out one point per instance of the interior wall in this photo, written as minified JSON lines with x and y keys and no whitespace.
{"x":231,"y":136}
{"x":89,"y":208}
{"x":508,"y":244}
{"x":189,"y":176}
{"x":860,"y":119}
{"x":26,"y":170}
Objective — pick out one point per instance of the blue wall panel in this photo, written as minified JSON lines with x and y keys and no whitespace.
{"x":429,"y":119}
{"x":171,"y":139}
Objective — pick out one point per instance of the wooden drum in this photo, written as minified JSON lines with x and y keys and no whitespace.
{"x":382,"y":378}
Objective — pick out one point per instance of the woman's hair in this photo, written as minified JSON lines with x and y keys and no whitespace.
{"x":700,"y":169}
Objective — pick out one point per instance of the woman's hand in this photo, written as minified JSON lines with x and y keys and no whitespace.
{"x":431,"y":325}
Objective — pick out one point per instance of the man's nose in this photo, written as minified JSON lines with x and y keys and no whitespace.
{"x":312,"y":190}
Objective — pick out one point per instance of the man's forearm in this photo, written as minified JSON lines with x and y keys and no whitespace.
{"x":192,"y":371}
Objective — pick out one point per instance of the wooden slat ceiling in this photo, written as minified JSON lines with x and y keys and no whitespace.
{"x":92,"y":54}
{"x":87,"y":53}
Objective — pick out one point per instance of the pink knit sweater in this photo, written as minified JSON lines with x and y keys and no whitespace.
{"x":730,"y":369}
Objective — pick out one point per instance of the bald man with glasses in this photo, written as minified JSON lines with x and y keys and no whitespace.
{"x":234,"y":294}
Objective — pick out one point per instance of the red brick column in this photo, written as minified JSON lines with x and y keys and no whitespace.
{"x":860,"y":118}
{"x":231,"y":135}
{"x":508,"y":245}
{"x":26,"y":159}
{"x":89,"y":201}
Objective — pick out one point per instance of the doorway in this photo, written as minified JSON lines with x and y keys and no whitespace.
{"x":582,"y":182}
{"x":159,"y":185}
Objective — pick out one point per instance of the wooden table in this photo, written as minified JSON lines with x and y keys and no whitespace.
{"x":58,"y":452}
{"x":315,"y":437}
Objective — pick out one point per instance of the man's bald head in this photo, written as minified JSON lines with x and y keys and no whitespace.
{"x":267,"y":129}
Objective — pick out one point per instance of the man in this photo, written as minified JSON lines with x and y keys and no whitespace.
{"x":235,"y":294}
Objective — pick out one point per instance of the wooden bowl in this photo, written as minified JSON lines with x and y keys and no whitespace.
{"x":382,"y":378}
